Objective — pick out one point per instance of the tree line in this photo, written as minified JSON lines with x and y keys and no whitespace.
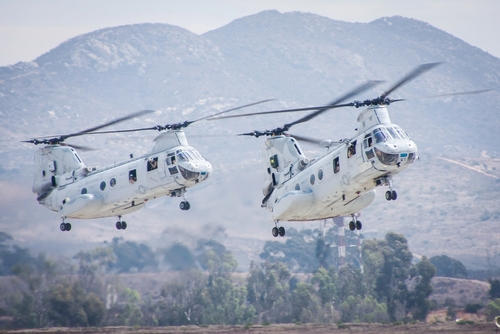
{"x":296,"y":281}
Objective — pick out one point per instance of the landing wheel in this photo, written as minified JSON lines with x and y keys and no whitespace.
{"x":275,"y":231}
{"x":352,"y":225}
{"x":62,"y":227}
{"x":124,"y":225}
{"x":281,"y":231}
{"x":388,"y":195}
{"x":67,"y":227}
{"x":359,"y":226}
{"x":184,"y":205}
{"x":118,"y":225}
{"x":394,"y":195}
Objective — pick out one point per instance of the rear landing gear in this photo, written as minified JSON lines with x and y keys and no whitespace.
{"x":121,"y":225}
{"x":355,"y":224}
{"x":278,"y":231}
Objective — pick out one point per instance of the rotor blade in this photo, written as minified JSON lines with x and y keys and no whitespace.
{"x":307,"y":139}
{"x":78,"y":147}
{"x":120,"y":131}
{"x":118,"y":120}
{"x":274,"y":112}
{"x":314,"y":140}
{"x":448,"y":94}
{"x":410,"y":76}
{"x":335,"y":104}
{"x":332,"y":105}
{"x":232,"y":109}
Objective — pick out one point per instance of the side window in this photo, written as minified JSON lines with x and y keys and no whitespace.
{"x":173,"y":170}
{"x":132,"y":176}
{"x":152,"y":164}
{"x":336,"y":165}
{"x":368,"y":142}
{"x":171,"y":159}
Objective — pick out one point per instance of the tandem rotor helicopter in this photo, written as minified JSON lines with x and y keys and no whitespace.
{"x":342,"y":182}
{"x":64,"y":184}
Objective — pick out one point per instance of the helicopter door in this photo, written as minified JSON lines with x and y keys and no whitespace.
{"x":152,"y":171}
{"x":352,"y":155}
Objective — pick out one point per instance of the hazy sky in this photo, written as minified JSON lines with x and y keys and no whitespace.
{"x":29,"y":28}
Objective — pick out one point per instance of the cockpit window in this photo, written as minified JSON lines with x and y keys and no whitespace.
{"x":393,"y":133}
{"x":401,"y":133}
{"x":183,"y":156}
{"x":380,"y":137}
{"x":195,"y":154}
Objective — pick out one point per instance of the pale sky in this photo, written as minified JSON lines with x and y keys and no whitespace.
{"x":29,"y":28}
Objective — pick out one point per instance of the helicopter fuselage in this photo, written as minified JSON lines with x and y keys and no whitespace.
{"x":341,"y":182}
{"x":65,"y":185}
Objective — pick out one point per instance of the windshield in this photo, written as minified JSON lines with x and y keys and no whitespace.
{"x":380,"y":137}
{"x":183,"y":156}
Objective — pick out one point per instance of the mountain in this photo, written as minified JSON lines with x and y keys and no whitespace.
{"x":300,"y":59}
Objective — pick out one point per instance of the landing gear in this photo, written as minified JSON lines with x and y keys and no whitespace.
{"x":278,"y":231}
{"x":121,"y":225}
{"x":65,"y":226}
{"x":184,"y":205}
{"x":391,"y":195}
{"x":386,"y":180}
{"x":355,"y":224}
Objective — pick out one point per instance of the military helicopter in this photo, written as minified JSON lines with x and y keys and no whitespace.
{"x":341,"y":182}
{"x":64,"y":184}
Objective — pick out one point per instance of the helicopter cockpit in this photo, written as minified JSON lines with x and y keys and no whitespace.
{"x":192,"y":165}
{"x":189,"y":154}
{"x":393,"y":145}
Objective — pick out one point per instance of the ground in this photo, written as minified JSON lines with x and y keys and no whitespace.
{"x":418,"y":328}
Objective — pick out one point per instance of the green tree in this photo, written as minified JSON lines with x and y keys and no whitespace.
{"x":66,"y":305}
{"x":305,"y":304}
{"x":178,"y":257}
{"x":448,"y":267}
{"x":494,"y":291}
{"x":493,"y":309}
{"x":359,"y":309}
{"x":418,"y":301}
{"x":390,"y":261}
{"x":268,"y":291}
{"x":92,"y":266}
{"x":35,"y":284}
{"x":131,"y":256}
{"x":94,"y":309}
{"x":297,"y":252}
{"x":323,"y":252}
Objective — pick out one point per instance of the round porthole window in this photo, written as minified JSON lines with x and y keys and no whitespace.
{"x":103,"y":185}
{"x":312,"y":179}
{"x":84,"y":191}
{"x":112,"y":182}
{"x":320,"y":174}
{"x":297,"y":186}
